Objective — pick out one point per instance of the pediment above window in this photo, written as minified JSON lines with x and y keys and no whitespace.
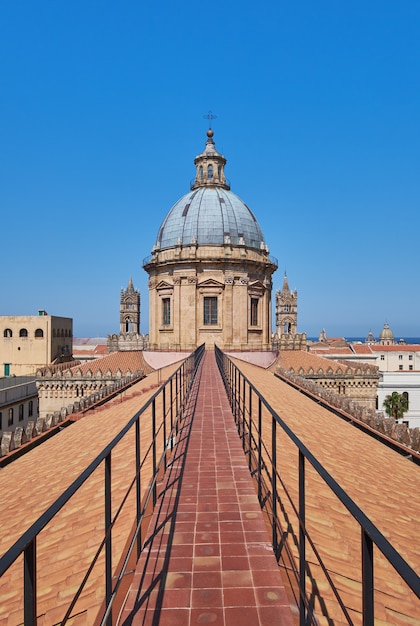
{"x":211,"y":284}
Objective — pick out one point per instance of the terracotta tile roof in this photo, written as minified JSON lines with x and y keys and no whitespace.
{"x":361,"y":348}
{"x":309,"y":363}
{"x":381,"y":482}
{"x":384,"y":484}
{"x":331,"y":350}
{"x":41,"y":476}
{"x":415,"y":347}
{"x":124,"y":362}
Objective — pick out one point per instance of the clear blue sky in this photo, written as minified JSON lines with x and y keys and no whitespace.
{"x":318,"y":114}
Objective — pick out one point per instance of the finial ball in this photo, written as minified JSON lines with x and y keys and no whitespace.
{"x":210,"y":133}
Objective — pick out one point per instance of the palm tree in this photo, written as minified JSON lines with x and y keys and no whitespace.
{"x":396,"y":405}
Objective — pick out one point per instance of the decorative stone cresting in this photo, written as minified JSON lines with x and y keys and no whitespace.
{"x":388,"y":426}
{"x":12,"y":440}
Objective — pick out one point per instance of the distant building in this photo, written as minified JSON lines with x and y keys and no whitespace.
{"x":404,"y":383}
{"x":63,"y":385}
{"x":18,"y":404}
{"x":386,"y":336}
{"x":398,"y":365}
{"x":28,"y":342}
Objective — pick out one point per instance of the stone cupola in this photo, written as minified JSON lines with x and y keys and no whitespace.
{"x":210,"y":166}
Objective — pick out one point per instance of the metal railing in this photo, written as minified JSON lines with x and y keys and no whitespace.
{"x":170,"y":399}
{"x":260,"y":428}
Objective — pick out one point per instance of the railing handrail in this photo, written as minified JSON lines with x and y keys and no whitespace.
{"x":10,"y":556}
{"x":406,"y":572}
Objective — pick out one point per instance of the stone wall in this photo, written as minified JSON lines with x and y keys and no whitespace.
{"x":12,"y":440}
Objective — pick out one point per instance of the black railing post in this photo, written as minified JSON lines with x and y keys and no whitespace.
{"x":243,"y":411}
{"x":138,"y":487}
{"x":250,"y":429}
{"x":236,"y":395}
{"x":176,"y":394}
{"x":302,"y":542}
{"x":154,"y":454}
{"x":165,"y":443}
{"x":171,"y":396}
{"x":367,"y":579}
{"x":29,"y":575}
{"x":108,"y":535}
{"x":259,"y":450}
{"x":274,"y":481}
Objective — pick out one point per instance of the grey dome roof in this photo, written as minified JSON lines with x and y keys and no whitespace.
{"x":212,"y":216}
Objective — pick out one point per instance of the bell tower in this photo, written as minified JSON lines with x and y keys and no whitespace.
{"x":286,"y":310}
{"x":130,"y":310}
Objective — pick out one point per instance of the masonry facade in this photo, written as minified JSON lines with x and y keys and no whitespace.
{"x":28,"y":342}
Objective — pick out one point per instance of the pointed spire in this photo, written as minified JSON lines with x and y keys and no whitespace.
{"x":210,"y":166}
{"x":285,"y":283}
{"x":130,"y":285}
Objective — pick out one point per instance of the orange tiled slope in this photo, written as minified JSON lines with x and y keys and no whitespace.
{"x":307,"y":361}
{"x":385,"y":485}
{"x":32,"y":483}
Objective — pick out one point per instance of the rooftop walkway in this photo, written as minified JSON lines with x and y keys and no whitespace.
{"x":208,"y":556}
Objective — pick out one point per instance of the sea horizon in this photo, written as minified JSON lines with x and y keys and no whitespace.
{"x":407,"y":340}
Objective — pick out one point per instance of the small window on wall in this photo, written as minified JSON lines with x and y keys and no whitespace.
{"x":23,"y":332}
{"x":10,"y":417}
{"x":20,"y":412}
{"x":382,"y":357}
{"x":1,"y":420}
{"x":210,"y":310}
{"x":405,"y":395}
{"x":166,"y":311}
{"x":8,"y":333}
{"x":30,"y":408}
{"x":39,"y":333}
{"x":286,"y":308}
{"x":254,"y":312}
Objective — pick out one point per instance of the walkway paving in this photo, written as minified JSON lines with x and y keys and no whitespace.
{"x":208,"y":557}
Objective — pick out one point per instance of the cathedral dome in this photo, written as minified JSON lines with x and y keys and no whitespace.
{"x":210,"y":213}
{"x":211,"y":216}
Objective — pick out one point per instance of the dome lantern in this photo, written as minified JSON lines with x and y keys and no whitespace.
{"x":210,"y":166}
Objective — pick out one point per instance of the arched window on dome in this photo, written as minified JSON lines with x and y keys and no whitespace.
{"x":200,"y":172}
{"x":219,"y":171}
{"x":210,"y":172}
